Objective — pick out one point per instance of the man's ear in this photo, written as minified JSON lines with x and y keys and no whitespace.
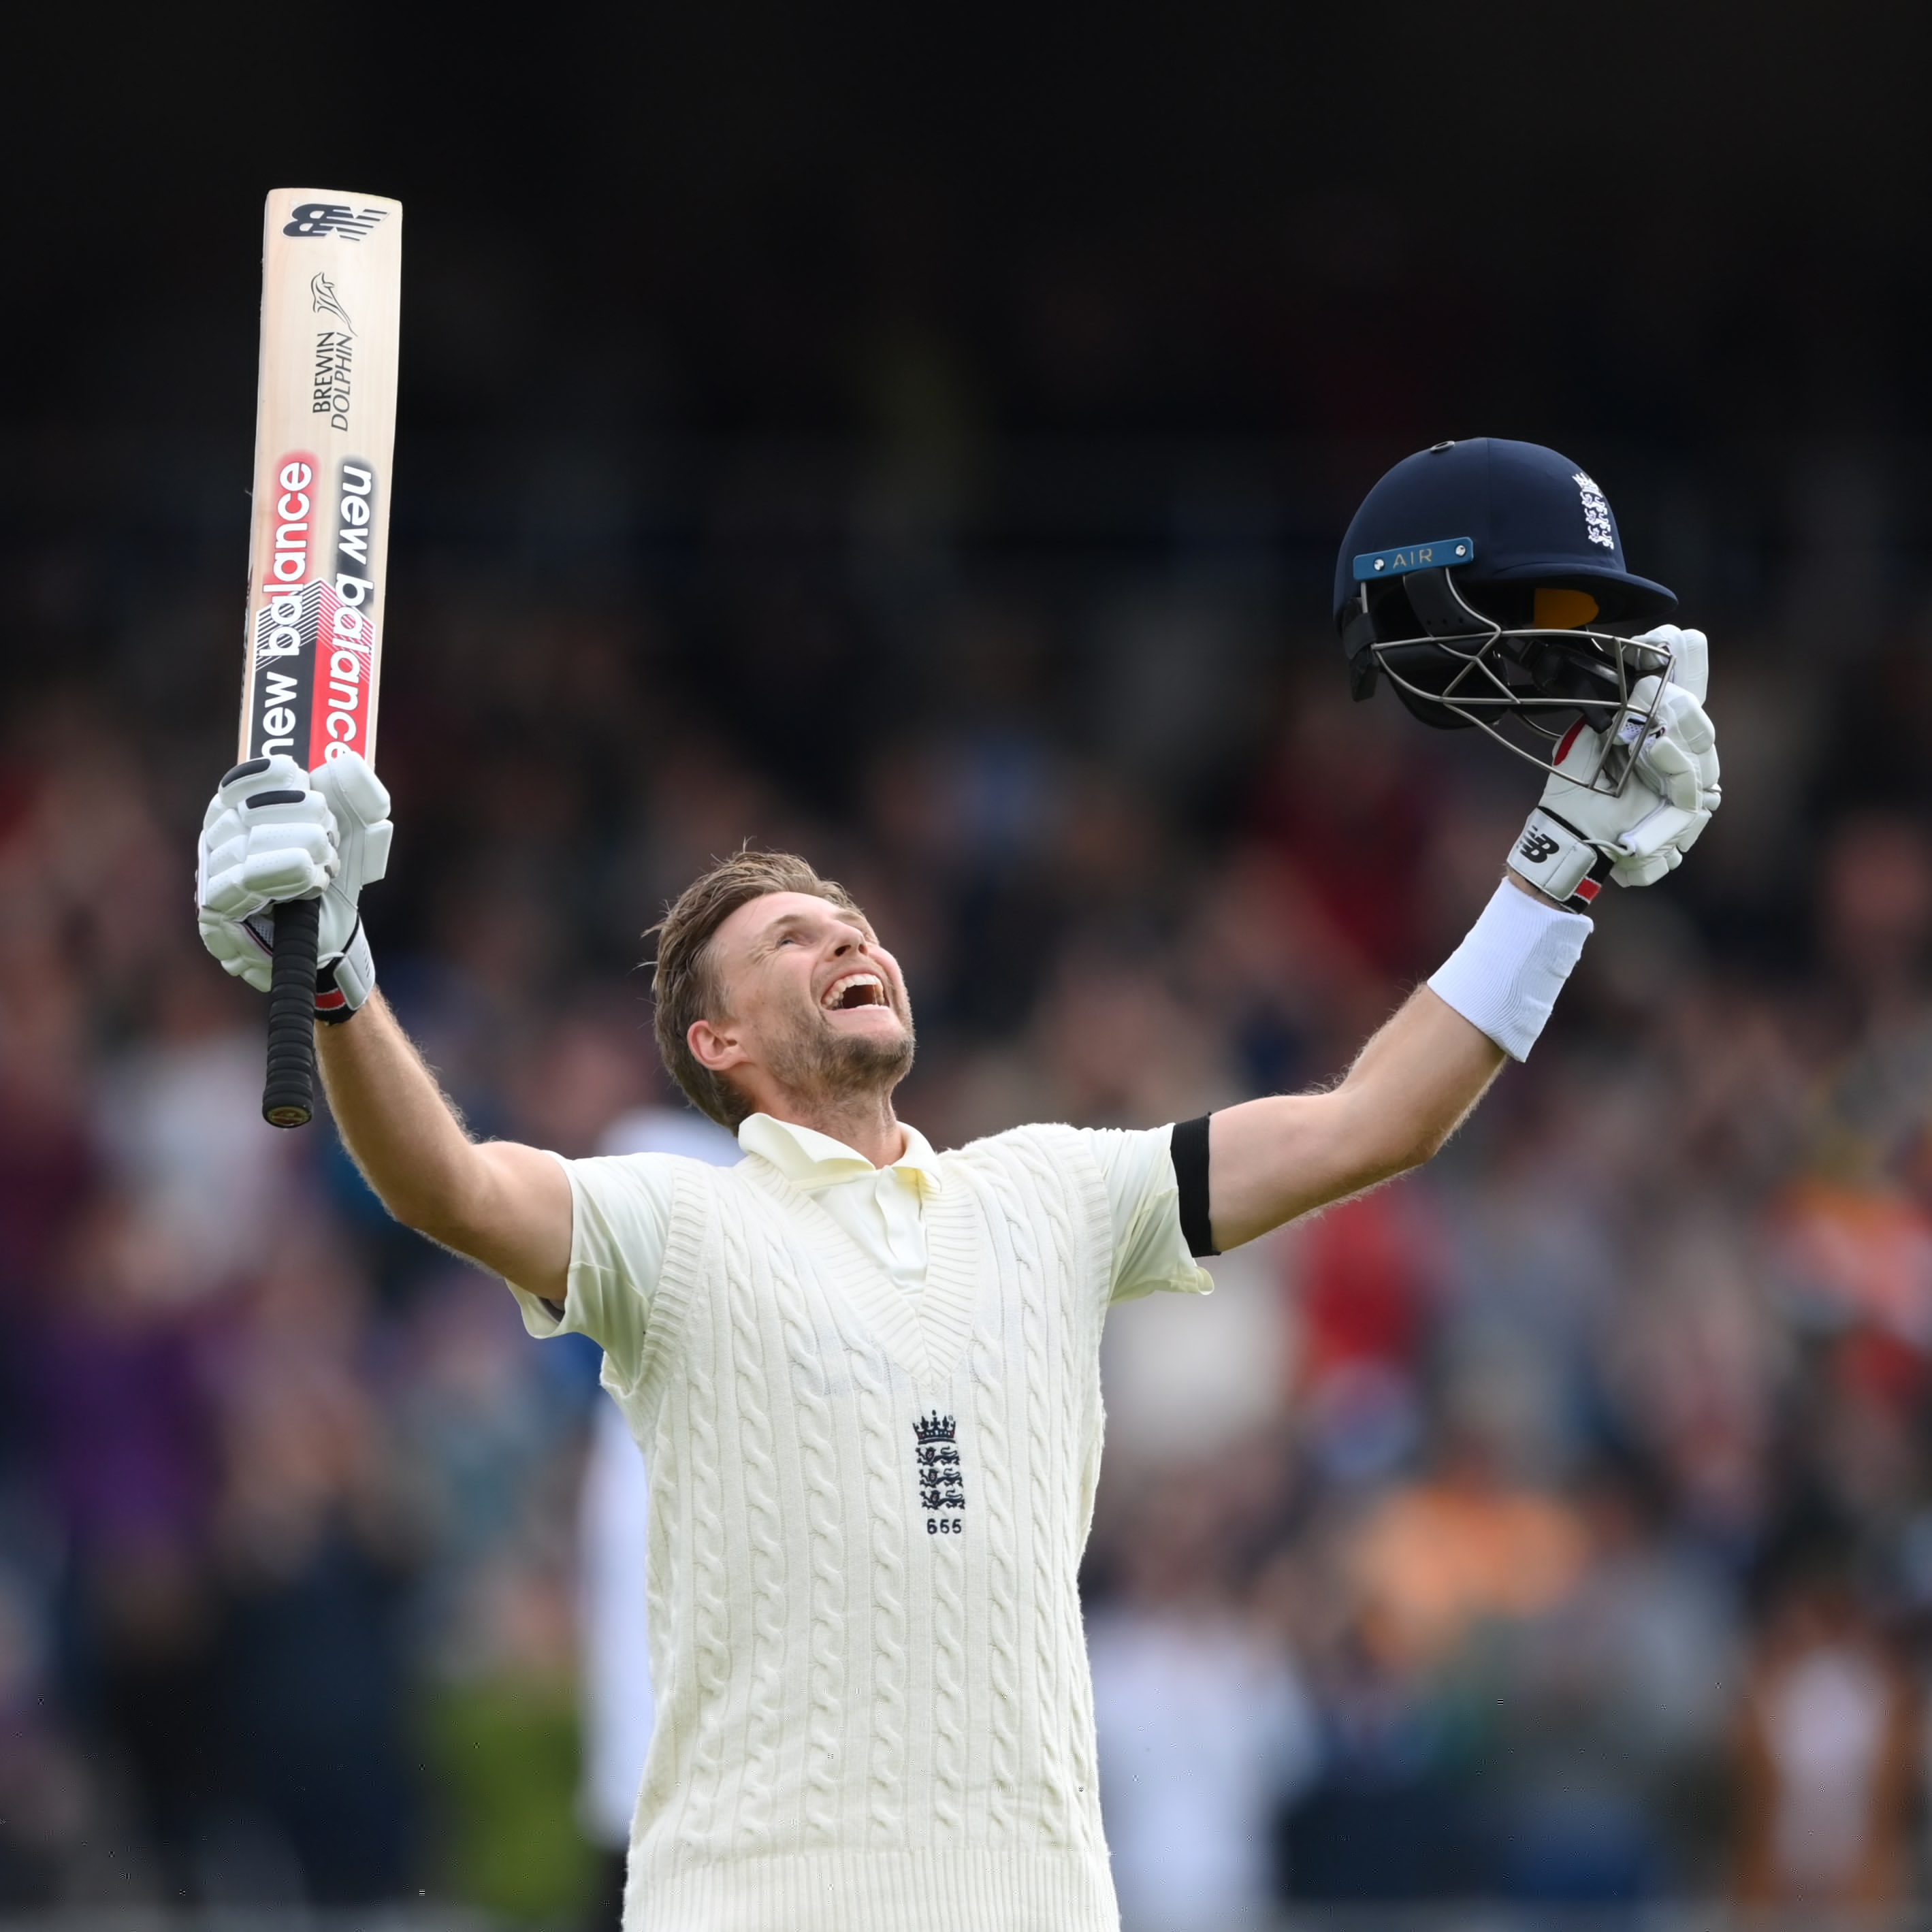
{"x":715,"y":1048}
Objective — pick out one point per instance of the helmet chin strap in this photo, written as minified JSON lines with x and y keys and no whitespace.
{"x":1358,"y":646}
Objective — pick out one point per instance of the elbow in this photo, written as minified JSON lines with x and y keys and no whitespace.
{"x":420,"y":1217}
{"x":1396,"y":1139}
{"x":420,"y":1220}
{"x":452,"y":1207}
{"x":435,"y":1222}
{"x":437,"y":1201}
{"x":1396,"y":1154}
{"x":431,"y":1216}
{"x":1369,"y":1141}
{"x":1427,"y":1145}
{"x":1394,"y":1164}
{"x":1420,"y":1148}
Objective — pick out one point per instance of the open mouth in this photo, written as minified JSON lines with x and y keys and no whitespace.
{"x":863,"y":989}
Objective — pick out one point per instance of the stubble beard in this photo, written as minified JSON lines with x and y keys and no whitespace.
{"x":815,"y":1059}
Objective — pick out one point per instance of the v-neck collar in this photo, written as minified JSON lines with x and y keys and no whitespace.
{"x":928,"y":1334}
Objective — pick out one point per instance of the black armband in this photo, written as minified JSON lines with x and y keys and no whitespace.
{"x":1188,"y":1147}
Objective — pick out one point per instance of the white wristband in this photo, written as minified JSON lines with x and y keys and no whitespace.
{"x":1504,"y":977}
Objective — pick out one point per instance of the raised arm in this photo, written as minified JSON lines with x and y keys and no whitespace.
{"x":506,"y":1207}
{"x":1271,"y":1160}
{"x":274,"y":832}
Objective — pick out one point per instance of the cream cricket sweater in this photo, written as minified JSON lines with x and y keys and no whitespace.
{"x":868,"y":1512}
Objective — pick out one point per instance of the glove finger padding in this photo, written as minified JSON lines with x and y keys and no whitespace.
{"x":1678,"y":756}
{"x":279,"y":773}
{"x":1648,"y":870}
{"x":1640,"y":832}
{"x":1658,"y":845}
{"x":1689,"y":724}
{"x":361,"y":804}
{"x":1664,"y":826}
{"x":346,"y":971}
{"x":275,"y":840}
{"x":354,"y":792}
{"x":1670,"y":771}
{"x":273,"y":832}
{"x":1689,"y":676}
{"x":288,"y":872}
{"x":238,"y":950}
{"x":226,"y":895}
{"x":286,"y":817}
{"x":1690,"y":657}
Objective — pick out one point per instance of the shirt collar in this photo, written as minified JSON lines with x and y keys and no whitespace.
{"x":810,"y":1160}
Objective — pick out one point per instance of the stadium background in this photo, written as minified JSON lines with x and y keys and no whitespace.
{"x":924,"y":442}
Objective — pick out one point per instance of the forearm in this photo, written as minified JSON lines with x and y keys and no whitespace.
{"x":1411,"y":1087}
{"x":398,"y":1126}
{"x":507,"y":1207}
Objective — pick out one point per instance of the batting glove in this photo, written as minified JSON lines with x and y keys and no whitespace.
{"x":273,"y":832}
{"x":1578,"y":837}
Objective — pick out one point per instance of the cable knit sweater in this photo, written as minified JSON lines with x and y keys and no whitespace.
{"x":868,"y":1512}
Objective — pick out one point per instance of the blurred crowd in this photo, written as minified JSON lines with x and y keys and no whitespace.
{"x":1555,"y":1524}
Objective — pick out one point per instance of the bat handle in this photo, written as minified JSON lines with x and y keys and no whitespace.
{"x":288,"y":1096}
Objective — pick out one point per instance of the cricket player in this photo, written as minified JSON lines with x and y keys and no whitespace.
{"x":864,"y":1372}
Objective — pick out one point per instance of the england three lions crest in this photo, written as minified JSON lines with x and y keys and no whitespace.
{"x":942,"y":1486}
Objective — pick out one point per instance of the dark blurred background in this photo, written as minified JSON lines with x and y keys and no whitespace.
{"x":923,"y":441}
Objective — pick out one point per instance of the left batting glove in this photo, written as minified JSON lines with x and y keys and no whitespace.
{"x":273,"y":832}
{"x":1577,"y":837}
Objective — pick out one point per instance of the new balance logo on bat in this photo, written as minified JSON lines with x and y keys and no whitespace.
{"x":317,"y":220}
{"x":357,"y":505}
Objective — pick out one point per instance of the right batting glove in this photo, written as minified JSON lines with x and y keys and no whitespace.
{"x":273,"y":832}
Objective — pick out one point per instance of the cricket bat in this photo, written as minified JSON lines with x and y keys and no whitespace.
{"x":318,"y":554}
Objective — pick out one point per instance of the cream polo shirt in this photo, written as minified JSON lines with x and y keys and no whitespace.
{"x":883,"y":1209}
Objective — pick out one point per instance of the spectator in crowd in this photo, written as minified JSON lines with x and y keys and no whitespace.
{"x":1669,"y":1292}
{"x":1829,"y":1741}
{"x":1206,"y":1730}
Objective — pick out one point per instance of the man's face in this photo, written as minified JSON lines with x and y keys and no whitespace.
{"x":811,"y":998}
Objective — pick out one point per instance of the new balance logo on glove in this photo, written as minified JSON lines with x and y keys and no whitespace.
{"x":1538,"y":846}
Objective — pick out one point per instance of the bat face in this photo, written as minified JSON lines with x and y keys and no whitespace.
{"x":324,"y":432}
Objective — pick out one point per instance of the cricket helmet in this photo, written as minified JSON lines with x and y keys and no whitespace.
{"x":1486,"y":581}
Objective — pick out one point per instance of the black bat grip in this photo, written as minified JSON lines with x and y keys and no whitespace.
{"x":288,"y":1097}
